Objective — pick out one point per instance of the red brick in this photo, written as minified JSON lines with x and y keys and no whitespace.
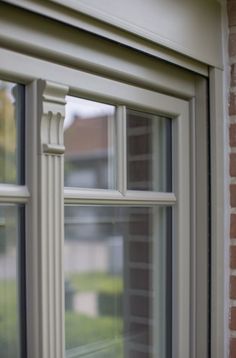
{"x":233,"y":257}
{"x":232,"y":104}
{"x":232,"y":163}
{"x":232,"y":324}
{"x":232,"y":12}
{"x":232,"y":348}
{"x":233,"y":195}
{"x":232,"y":44}
{"x":233,"y":226}
{"x":232,"y":135}
{"x":233,"y":287}
{"x":233,"y":75}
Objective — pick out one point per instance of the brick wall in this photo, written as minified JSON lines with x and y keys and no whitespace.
{"x":232,"y":172}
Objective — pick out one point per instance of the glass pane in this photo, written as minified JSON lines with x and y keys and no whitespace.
{"x":11,"y":133}
{"x":149,"y":158}
{"x":10,"y":324}
{"x":117,"y":287}
{"x":89,"y":142}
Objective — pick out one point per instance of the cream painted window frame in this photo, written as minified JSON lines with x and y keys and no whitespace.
{"x":44,"y":97}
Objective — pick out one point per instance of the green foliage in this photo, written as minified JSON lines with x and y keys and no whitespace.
{"x":9,"y":345}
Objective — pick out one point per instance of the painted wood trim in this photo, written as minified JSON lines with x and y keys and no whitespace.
{"x":202,"y":216}
{"x":32,"y":68}
{"x":181,"y":236}
{"x":83,"y":196}
{"x":122,"y":149}
{"x":219,"y":291}
{"x":63,"y":45}
{"x":45,"y":220}
{"x":189,"y":39}
{"x":80,"y":20}
{"x":13,"y":193}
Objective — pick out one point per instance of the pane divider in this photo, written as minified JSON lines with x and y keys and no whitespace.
{"x":44,"y":223}
{"x":13,"y":193}
{"x":100,"y":196}
{"x":121,"y":150}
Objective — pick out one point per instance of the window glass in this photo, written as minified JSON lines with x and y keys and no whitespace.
{"x":11,"y":325}
{"x":11,"y":133}
{"x":89,"y":142}
{"x":116,"y":281}
{"x":149,"y":158}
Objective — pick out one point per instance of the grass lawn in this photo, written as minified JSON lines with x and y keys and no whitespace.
{"x":96,"y":281}
{"x":82,"y":330}
{"x":8,"y":319}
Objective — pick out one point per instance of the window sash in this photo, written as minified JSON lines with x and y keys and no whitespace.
{"x":179,"y":199}
{"x":89,"y":88}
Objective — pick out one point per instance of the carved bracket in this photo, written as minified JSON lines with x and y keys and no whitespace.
{"x":51,"y":114}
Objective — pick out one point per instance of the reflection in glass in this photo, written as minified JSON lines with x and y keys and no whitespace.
{"x":89,"y":143}
{"x":9,"y":281}
{"x":149,"y":158}
{"x":11,"y":133}
{"x":116,"y":281}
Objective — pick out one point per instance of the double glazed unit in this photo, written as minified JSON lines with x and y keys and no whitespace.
{"x":103,"y":209}
{"x":118,"y":225}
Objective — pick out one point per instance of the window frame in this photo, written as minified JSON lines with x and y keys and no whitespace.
{"x":90,"y":86}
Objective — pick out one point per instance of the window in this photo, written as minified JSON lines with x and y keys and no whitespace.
{"x":113,"y":233}
{"x":127,"y":232}
{"x":90,"y":144}
{"x":117,"y":263}
{"x":12,"y":221}
{"x":12,"y":133}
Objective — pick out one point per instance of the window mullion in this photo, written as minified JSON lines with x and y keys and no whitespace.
{"x":45,"y":229}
